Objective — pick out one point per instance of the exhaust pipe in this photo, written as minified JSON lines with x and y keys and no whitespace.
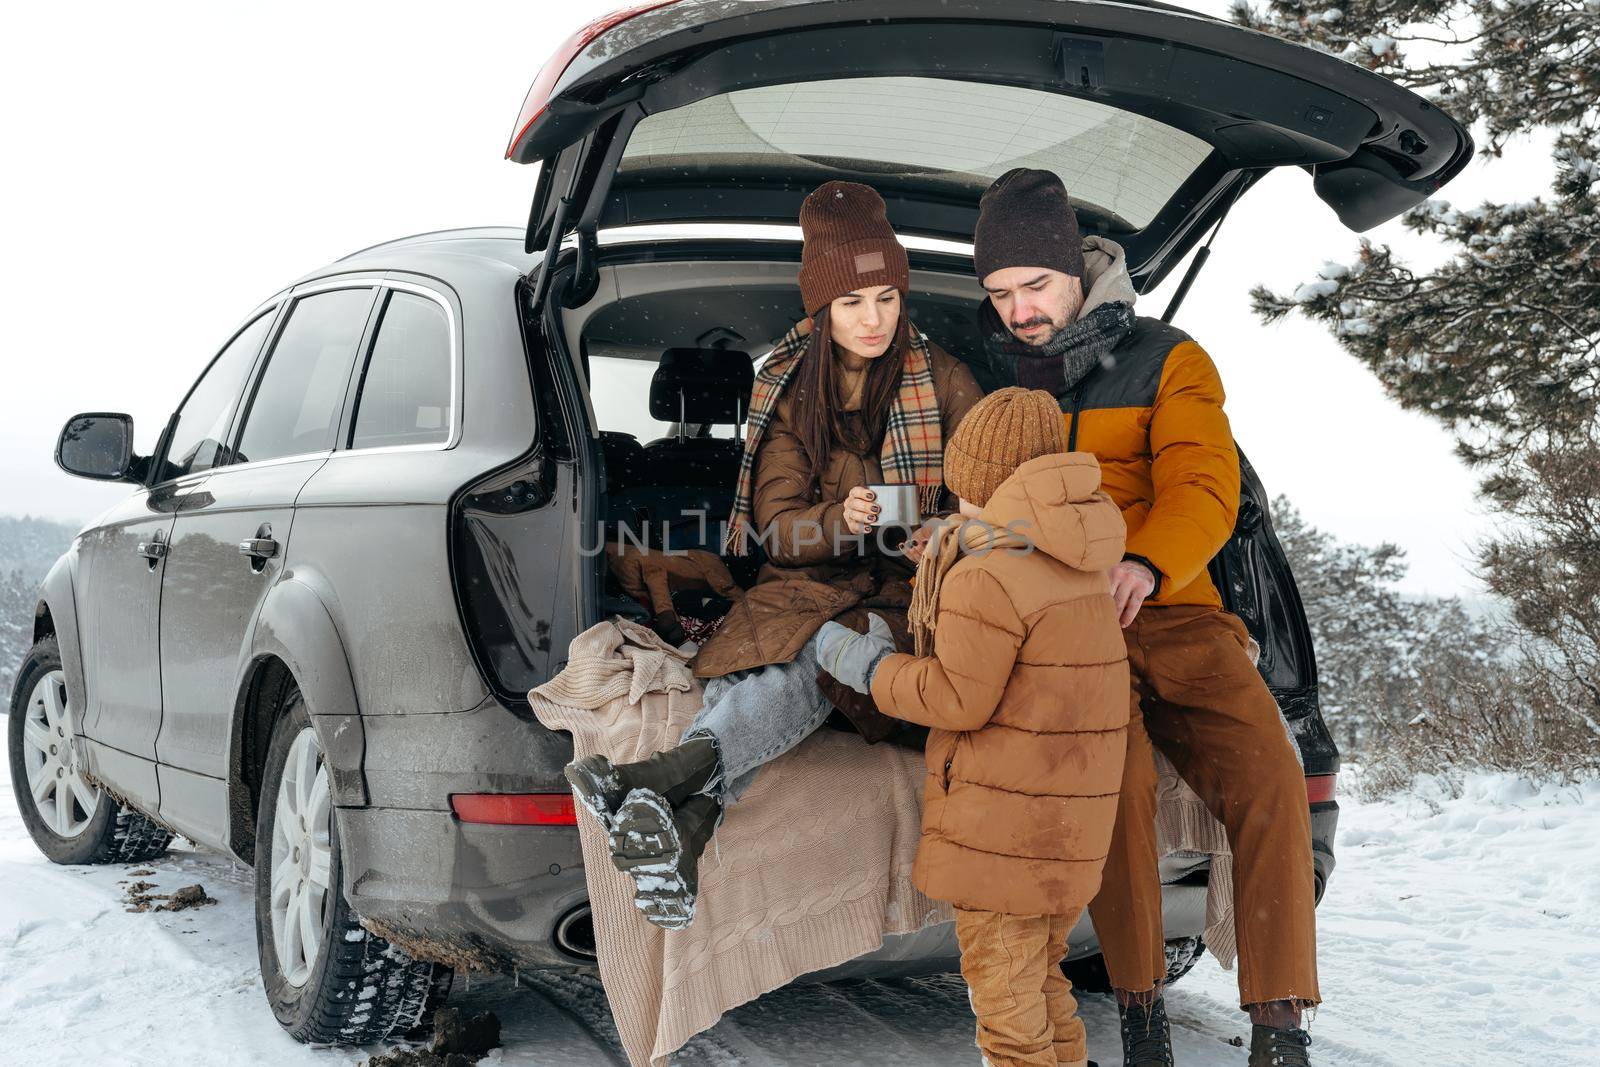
{"x":574,"y":934}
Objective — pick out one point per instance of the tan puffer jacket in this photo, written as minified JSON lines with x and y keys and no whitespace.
{"x":1027,"y":693}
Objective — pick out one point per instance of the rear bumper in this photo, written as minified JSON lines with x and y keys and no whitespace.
{"x":477,"y":897}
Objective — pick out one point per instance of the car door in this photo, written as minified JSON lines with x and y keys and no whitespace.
{"x":1155,"y":118}
{"x":119,"y":602}
{"x":230,"y":542}
{"x":126,"y":554}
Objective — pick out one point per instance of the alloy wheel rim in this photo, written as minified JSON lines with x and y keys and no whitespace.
{"x":302,"y":859}
{"x":51,"y":756}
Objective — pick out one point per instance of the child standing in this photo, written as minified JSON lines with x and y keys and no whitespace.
{"x":1026,"y":692}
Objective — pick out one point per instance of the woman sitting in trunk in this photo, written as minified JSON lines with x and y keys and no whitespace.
{"x":852,"y":397}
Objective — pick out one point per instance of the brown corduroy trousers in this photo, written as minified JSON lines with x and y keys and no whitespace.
{"x":1208,"y":710}
{"x":1027,"y":1015}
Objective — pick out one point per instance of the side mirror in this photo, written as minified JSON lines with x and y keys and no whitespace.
{"x":98,"y":445}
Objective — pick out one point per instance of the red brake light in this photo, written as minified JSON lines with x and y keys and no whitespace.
{"x":538,"y":98}
{"x":1319,"y":787}
{"x":515,"y":809}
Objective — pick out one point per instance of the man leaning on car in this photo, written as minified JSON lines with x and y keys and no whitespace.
{"x":1147,"y":401}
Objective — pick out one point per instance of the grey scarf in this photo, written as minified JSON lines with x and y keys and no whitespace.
{"x":1062,"y":362}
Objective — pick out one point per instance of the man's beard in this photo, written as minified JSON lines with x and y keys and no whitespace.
{"x":1041,"y":339}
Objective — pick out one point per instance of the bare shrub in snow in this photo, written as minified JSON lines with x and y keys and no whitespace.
{"x":1546,"y":563}
{"x":1509,"y":717}
{"x":1419,"y":685}
{"x":1378,"y":651}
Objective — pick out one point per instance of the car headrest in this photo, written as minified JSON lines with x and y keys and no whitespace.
{"x":702,"y":385}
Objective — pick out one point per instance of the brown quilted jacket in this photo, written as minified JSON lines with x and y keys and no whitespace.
{"x":805,"y":583}
{"x":1027,"y":696}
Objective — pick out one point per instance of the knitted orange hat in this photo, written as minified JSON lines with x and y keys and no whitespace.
{"x":1003,"y":431}
{"x":849,"y":245}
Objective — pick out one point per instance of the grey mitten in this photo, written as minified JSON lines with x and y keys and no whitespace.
{"x":851,"y":657}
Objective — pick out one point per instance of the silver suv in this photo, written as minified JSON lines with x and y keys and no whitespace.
{"x":306,"y":636}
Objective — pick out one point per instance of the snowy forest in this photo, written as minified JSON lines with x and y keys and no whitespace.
{"x":1500,"y":342}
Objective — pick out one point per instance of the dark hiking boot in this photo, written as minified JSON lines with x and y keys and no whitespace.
{"x":1146,"y":1035}
{"x":676,"y":774}
{"x":1279,"y":1048}
{"x":660,"y":847}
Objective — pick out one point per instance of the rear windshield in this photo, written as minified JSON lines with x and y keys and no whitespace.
{"x":1123,"y":166}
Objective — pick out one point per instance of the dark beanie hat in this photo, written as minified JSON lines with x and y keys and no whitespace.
{"x":849,"y":245}
{"x":1026,"y":220}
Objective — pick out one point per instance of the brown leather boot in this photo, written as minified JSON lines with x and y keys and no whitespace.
{"x":1279,"y":1048}
{"x":1146,"y":1035}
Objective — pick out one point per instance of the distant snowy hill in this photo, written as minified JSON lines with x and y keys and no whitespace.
{"x":28,"y":547}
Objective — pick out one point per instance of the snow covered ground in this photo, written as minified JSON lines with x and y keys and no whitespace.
{"x":1457,"y":932}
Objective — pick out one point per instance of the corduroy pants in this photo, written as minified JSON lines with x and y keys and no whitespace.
{"x":1027,"y":1016}
{"x":1206,"y":707}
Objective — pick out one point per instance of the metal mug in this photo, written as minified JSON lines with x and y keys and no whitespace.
{"x":897,"y":505}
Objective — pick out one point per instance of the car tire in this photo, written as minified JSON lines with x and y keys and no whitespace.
{"x":1089,"y":974}
{"x":70,"y":817}
{"x":328,"y":979}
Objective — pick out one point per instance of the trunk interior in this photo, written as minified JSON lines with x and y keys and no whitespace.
{"x":669,"y":482}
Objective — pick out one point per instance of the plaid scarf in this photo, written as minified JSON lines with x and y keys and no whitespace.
{"x":913,"y":441}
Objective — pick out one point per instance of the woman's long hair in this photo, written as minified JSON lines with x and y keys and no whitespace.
{"x":818,"y":415}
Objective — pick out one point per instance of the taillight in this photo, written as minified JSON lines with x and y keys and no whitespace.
{"x":538,"y":98}
{"x":515,"y":809}
{"x":1319,"y":787}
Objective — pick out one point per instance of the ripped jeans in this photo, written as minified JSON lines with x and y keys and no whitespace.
{"x":755,"y":716}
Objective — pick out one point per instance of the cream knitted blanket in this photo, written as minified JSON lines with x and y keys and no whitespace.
{"x":809,"y":870}
{"x":1185,"y":825}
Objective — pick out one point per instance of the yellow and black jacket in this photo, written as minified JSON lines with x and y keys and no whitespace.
{"x":1152,"y":413}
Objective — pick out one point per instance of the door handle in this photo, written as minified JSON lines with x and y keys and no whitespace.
{"x":262,"y":548}
{"x":153,"y":550}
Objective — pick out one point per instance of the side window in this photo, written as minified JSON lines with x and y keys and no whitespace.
{"x":196,"y":443}
{"x":296,"y":405}
{"x":404,"y":397}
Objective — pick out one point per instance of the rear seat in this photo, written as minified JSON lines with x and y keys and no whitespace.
{"x":666,"y":486}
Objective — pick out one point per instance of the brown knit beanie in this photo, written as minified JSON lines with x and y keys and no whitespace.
{"x":999,"y":434}
{"x":849,"y":245}
{"x":1026,"y":220}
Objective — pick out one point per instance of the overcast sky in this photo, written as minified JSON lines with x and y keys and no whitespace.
{"x":170,"y":166}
